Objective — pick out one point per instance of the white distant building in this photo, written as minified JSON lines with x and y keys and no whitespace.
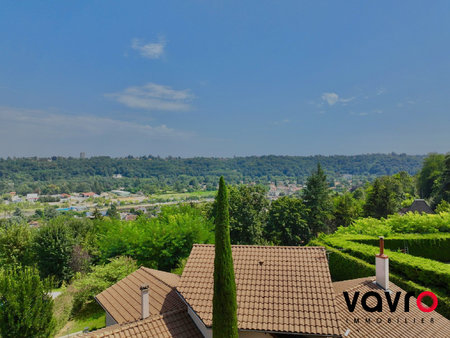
{"x":117,"y":176}
{"x":32,"y":197}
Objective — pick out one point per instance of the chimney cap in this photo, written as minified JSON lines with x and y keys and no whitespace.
{"x":144,"y":287}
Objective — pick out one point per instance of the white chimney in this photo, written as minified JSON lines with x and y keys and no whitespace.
{"x":382,"y":267}
{"x":145,"y":306}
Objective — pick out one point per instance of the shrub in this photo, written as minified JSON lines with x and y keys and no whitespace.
{"x":102,"y":277}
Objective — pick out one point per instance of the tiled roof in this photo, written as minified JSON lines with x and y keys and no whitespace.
{"x":123,"y":299}
{"x":397,"y":327}
{"x":171,"y":324}
{"x":279,"y":289}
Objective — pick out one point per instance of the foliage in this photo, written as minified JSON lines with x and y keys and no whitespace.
{"x":53,"y":247}
{"x":383,"y":197}
{"x":224,"y":298}
{"x":346,"y":209}
{"x":26,"y":308}
{"x":157,"y":242}
{"x":344,"y":266}
{"x":248,"y":212}
{"x":112,"y":212}
{"x":443,"y":206}
{"x":151,"y":174}
{"x":428,"y":176}
{"x":426,"y":271}
{"x":101,"y":278}
{"x":286,"y":222}
{"x":433,"y":246}
{"x":317,"y":200}
{"x":409,"y":223}
{"x":16,"y":245}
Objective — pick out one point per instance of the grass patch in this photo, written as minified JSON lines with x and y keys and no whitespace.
{"x":91,"y":317}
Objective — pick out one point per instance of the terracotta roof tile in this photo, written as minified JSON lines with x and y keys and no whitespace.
{"x":397,"y":328}
{"x":176,"y":324}
{"x":279,"y":289}
{"x":123,"y":299}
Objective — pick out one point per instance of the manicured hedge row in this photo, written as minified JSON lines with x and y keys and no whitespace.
{"x":426,"y":271}
{"x":432,"y":246}
{"x":399,"y":224}
{"x":344,"y":266}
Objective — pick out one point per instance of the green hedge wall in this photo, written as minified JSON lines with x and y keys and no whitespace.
{"x":343,"y":266}
{"x":426,"y":246}
{"x":428,"y":272}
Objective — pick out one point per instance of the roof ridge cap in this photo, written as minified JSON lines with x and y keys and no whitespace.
{"x":146,"y":271}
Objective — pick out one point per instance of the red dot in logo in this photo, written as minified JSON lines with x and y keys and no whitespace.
{"x":427,"y":294}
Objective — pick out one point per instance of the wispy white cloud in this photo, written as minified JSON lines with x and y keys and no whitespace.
{"x":41,"y":124}
{"x":154,"y":96}
{"x":149,"y":50}
{"x":380,"y":91}
{"x":280,"y":122}
{"x":366,"y":113}
{"x":333,"y":98}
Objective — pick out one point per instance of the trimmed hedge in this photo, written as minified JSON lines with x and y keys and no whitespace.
{"x":343,"y":266}
{"x":426,"y":271}
{"x":431,"y":246}
{"x":399,"y":224}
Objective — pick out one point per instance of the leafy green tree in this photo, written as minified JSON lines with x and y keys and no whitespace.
{"x":101,"y":278}
{"x":383,"y":197}
{"x":53,"y":246}
{"x":16,"y":245}
{"x":50,"y":212}
{"x":346,"y":210}
{"x":18,"y":213}
{"x":286,"y":223}
{"x":444,"y":191}
{"x":444,"y":206}
{"x":224,"y":299}
{"x":26,"y":308}
{"x":432,"y":169}
{"x":112,"y":212}
{"x":317,"y":200}
{"x":97,"y":214}
{"x":248,"y":213}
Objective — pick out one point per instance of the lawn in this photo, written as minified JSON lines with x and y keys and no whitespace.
{"x":93,"y":318}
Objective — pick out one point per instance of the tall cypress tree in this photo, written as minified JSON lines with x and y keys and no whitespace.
{"x":224,"y":299}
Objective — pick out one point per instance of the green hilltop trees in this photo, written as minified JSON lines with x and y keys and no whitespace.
{"x":224,"y":299}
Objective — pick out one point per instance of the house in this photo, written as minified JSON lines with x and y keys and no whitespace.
{"x":32,"y":197}
{"x":419,"y":205}
{"x":88,"y":194}
{"x":281,"y":292}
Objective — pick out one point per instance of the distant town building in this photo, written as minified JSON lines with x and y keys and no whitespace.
{"x":82,"y":155}
{"x":32,"y":197}
{"x":117,"y":176}
{"x":121,"y":193}
{"x":88,"y":194}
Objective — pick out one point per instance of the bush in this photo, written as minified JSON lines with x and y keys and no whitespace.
{"x":344,"y":267}
{"x":432,"y":246}
{"x":102,"y":277}
{"x":426,"y":271}
{"x":26,"y":308}
{"x":404,"y":224}
{"x":160,"y":242}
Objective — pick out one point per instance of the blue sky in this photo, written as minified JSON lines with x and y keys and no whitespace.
{"x":224,"y":78}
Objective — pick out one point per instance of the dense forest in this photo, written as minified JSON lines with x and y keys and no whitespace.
{"x":150,"y":174}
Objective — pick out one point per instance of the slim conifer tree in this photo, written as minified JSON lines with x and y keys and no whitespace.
{"x":224,"y":299}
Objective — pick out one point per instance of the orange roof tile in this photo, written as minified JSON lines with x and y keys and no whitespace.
{"x":397,"y":327}
{"x":279,"y":289}
{"x":123,"y":299}
{"x":170,"y":324}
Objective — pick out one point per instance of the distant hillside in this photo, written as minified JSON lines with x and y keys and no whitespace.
{"x":65,"y":172}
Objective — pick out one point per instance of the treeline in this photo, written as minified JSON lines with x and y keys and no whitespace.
{"x":151,"y":174}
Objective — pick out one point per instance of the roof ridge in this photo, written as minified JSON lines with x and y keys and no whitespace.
{"x":370,"y":279}
{"x":265,"y":246}
{"x":153,"y":275}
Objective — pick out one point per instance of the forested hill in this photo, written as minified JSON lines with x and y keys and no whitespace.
{"x":237,"y":168}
